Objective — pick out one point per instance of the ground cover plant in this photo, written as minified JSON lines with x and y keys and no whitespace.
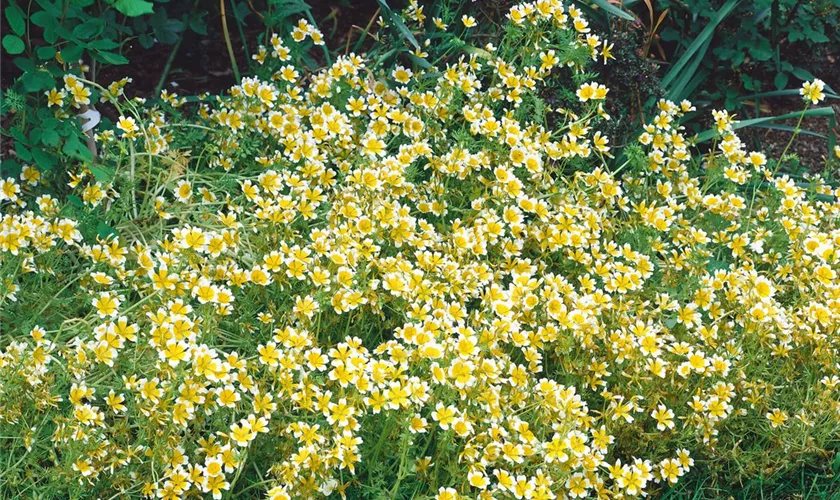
{"x":418,"y":280}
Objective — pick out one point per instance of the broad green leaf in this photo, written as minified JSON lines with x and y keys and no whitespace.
{"x":75,"y":200}
{"x":16,"y":18}
{"x":420,"y":62}
{"x":43,"y":159}
{"x":42,"y":19}
{"x":112,"y":58}
{"x":103,"y":44}
{"x":25,"y":64}
{"x":72,"y":52}
{"x":37,"y":81}
{"x":22,"y":151}
{"x":105,"y":231}
{"x":134,"y":8}
{"x":49,"y":137}
{"x":803,"y":74}
{"x":74,"y":147}
{"x":45,"y":53}
{"x":10,"y":168}
{"x":781,"y":80}
{"x":88,"y":29}
{"x":13,"y":44}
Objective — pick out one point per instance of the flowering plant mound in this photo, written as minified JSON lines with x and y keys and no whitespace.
{"x":420,"y":282}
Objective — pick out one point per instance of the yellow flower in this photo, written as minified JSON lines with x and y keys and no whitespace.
{"x":777,"y":417}
{"x":241,"y":433}
{"x":128,"y":125}
{"x":55,"y":97}
{"x":813,"y":91}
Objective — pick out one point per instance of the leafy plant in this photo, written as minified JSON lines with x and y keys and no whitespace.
{"x":54,"y":38}
{"x":756,"y":42}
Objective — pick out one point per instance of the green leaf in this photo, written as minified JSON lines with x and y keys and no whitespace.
{"x":42,"y":19}
{"x":49,"y":137}
{"x":761,"y":54}
{"x":817,"y":37}
{"x":783,"y":93}
{"x":38,"y":80}
{"x":25,"y":64}
{"x":677,"y":91}
{"x":75,"y":200}
{"x":13,"y":44}
{"x":17,"y":133}
{"x":103,"y":44}
{"x":788,"y":128}
{"x":420,"y":62}
{"x":803,"y":74}
{"x":112,"y":58}
{"x":47,"y":21}
{"x":134,"y":8}
{"x":612,"y":9}
{"x":45,"y":53}
{"x":760,"y":49}
{"x":10,"y":168}
{"x":72,"y":52}
{"x":105,"y":231}
{"x":711,"y":133}
{"x":22,"y":151}
{"x":781,"y":80}
{"x":74,"y":147}
{"x":88,"y":29}
{"x":43,"y":159}
{"x":16,"y":18}
{"x":698,"y":42}
{"x":102,"y":173}
{"x":397,"y":21}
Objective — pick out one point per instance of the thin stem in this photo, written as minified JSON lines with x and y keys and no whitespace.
{"x":133,"y":162}
{"x":324,"y":45}
{"x":225,"y":31}
{"x":168,"y":65}
{"x":248,"y":59}
{"x":792,"y":137}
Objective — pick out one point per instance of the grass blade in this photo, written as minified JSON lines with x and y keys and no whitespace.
{"x":677,"y":91}
{"x":710,"y":134}
{"x":781,"y":93}
{"x":397,"y":21}
{"x":612,"y":9}
{"x":788,"y":128}
{"x":698,"y":42}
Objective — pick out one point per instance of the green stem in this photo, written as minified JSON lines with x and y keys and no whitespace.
{"x":168,"y":65}
{"x":133,"y":163}
{"x":792,"y":137}
{"x":324,"y":46}
{"x":244,"y":40}
{"x":225,"y":31}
